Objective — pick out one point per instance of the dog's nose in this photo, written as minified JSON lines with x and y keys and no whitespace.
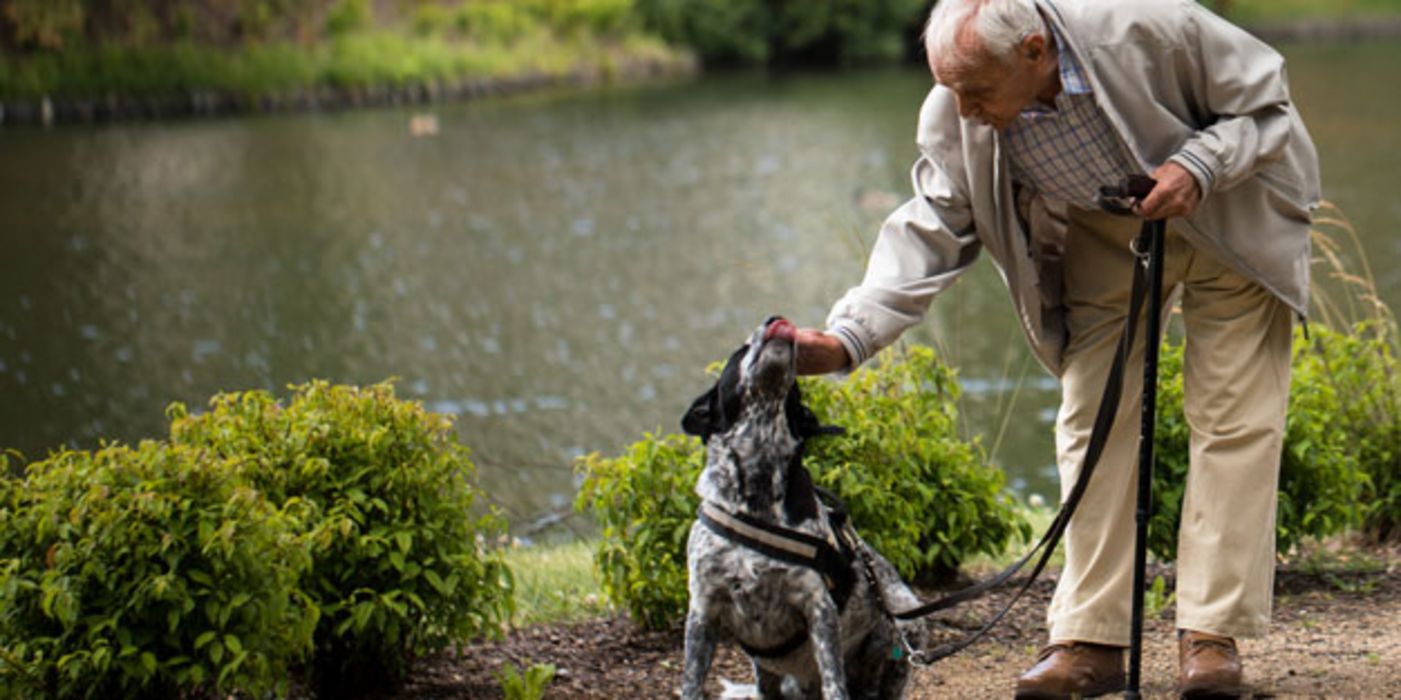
{"x":779,"y":327}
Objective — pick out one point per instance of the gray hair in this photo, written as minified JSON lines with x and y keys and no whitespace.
{"x":1000,"y":25}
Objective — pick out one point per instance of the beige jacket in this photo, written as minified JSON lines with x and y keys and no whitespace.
{"x":1178,"y":83}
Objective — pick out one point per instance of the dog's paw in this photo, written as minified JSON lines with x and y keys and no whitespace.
{"x":738,"y":691}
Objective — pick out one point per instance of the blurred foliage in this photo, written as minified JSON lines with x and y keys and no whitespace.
{"x":248,"y":49}
{"x":1290,"y":10}
{"x":60,"y":25}
{"x":787,"y":31}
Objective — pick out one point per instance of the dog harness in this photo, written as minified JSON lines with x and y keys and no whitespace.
{"x":831,"y":558}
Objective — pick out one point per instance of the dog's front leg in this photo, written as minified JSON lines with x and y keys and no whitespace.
{"x":700,"y":649}
{"x":824,"y":631}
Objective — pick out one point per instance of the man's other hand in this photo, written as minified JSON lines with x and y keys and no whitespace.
{"x":819,"y":352}
{"x":1176,"y":194}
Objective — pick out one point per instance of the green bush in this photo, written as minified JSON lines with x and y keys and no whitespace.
{"x":1320,"y":480}
{"x":918,"y":493}
{"x":400,"y":566}
{"x":645,"y":502}
{"x":1360,"y":369}
{"x":915,"y":491}
{"x":151,"y":572}
{"x":760,"y":31}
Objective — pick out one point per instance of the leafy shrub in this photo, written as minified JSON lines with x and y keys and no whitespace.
{"x":1360,"y":369}
{"x":645,"y":502}
{"x":915,"y":491}
{"x":153,"y":572}
{"x":918,"y":493}
{"x":760,"y":31}
{"x":1320,"y":480}
{"x":399,"y":563}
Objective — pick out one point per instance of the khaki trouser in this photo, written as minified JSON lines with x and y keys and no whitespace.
{"x":1236,"y":373}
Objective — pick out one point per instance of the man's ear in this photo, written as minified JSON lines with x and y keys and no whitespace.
{"x":1033,"y":47}
{"x":701,"y":416}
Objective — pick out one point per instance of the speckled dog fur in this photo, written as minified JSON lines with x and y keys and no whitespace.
{"x":739,"y":594}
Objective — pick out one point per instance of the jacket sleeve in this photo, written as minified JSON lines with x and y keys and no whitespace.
{"x":1240,"y":83}
{"x":922,"y":247}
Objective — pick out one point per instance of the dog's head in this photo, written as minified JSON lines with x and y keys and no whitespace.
{"x":763,"y":371}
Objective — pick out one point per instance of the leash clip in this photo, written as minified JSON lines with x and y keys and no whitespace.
{"x":1135,"y":247}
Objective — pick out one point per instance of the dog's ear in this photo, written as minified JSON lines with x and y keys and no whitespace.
{"x":714,"y":411}
{"x":700,"y":418}
{"x":802,"y":422}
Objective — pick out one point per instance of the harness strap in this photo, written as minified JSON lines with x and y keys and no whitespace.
{"x":833,"y":563}
{"x":787,"y":545}
{"x":1099,"y":436}
{"x":778,"y":652}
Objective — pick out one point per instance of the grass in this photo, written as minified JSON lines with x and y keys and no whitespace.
{"x":1040,"y":517}
{"x":555,"y":583}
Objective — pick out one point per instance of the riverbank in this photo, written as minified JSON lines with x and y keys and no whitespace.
{"x":396,"y":64}
{"x":360,"y":71}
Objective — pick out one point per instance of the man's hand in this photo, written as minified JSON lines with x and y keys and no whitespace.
{"x":1176,"y":194}
{"x":820,"y":353}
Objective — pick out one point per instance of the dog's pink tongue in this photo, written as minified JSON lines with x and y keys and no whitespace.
{"x":781,"y":328}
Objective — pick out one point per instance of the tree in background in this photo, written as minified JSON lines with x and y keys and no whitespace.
{"x":56,"y":25}
{"x":841,"y":32}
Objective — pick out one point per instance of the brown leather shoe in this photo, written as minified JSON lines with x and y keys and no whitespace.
{"x":1073,"y":669}
{"x":1210,"y":666}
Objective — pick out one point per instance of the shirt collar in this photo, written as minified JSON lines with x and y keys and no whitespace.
{"x":1073,"y":80}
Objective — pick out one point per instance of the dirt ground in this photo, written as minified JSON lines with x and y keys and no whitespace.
{"x":1335,"y":635}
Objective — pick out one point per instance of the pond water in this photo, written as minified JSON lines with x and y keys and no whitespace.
{"x":555,"y":270}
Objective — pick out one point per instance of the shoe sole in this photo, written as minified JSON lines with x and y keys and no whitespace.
{"x":1094,"y":693}
{"x":1213,"y":693}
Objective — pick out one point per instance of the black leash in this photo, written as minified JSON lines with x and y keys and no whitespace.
{"x":1116,"y":200}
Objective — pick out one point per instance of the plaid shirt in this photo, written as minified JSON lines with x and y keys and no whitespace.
{"x":1069,"y":152}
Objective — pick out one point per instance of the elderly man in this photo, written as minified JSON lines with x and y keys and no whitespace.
{"x":1039,"y":103}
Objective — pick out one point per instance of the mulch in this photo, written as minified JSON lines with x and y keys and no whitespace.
{"x":1335,"y":635}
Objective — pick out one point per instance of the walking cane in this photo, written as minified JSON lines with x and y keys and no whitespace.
{"x":1151,"y":336}
{"x":1148,"y":248}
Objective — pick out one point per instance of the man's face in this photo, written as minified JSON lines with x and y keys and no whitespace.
{"x":992,"y":91}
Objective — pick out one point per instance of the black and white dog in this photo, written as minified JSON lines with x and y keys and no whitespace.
{"x":771,"y":566}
